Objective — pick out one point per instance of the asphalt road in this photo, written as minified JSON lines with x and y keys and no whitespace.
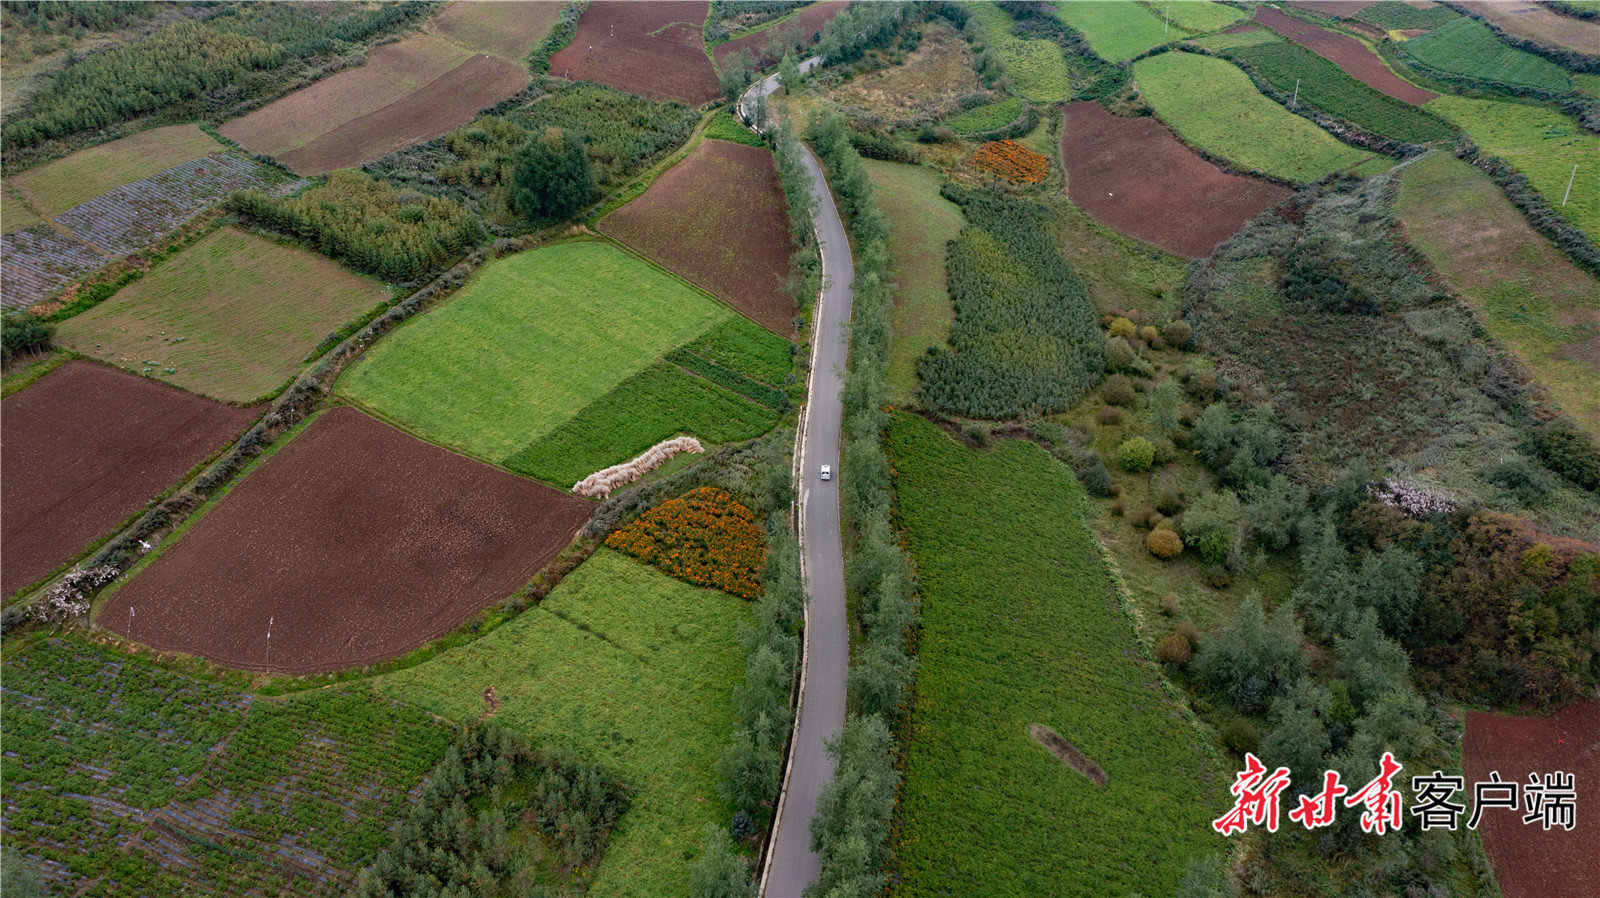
{"x":791,"y":864}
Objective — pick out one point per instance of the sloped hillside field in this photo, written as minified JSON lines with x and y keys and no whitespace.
{"x":1021,"y":625}
{"x":85,"y":448}
{"x":412,"y":539}
{"x":655,"y":48}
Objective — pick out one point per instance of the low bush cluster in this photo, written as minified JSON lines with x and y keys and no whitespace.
{"x":704,"y":537}
{"x":25,"y":335}
{"x":1012,"y":161}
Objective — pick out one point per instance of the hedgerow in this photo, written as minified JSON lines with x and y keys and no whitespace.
{"x":560,"y":35}
{"x":1025,"y":340}
{"x":1567,"y":237}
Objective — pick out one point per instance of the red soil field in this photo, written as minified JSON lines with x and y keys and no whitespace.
{"x":356,"y":542}
{"x":445,"y":103}
{"x":85,"y":448}
{"x":718,"y":219}
{"x":1346,"y":52}
{"x":808,"y":23}
{"x":1134,"y":175}
{"x":654,"y":48}
{"x":1528,"y":861}
{"x":1333,"y":7}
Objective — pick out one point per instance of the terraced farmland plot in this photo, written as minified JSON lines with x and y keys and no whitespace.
{"x":630,"y":668}
{"x":807,"y":23}
{"x":508,"y":29}
{"x":57,"y":186}
{"x":122,"y":778}
{"x":1540,"y":25}
{"x":1116,"y":31}
{"x":1021,"y":625}
{"x":231,"y":317}
{"x":1544,"y":145}
{"x":654,"y":48}
{"x":1035,"y":67}
{"x":1199,"y":15}
{"x":1392,"y":15}
{"x":719,"y":220}
{"x":410,"y":538}
{"x":15,"y":214}
{"x":40,"y":260}
{"x":1467,"y":47}
{"x":86,"y":447}
{"x":1213,"y":105}
{"x":531,"y":341}
{"x":1346,"y":52}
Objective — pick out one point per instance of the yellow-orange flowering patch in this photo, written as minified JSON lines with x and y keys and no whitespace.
{"x":704,"y":537}
{"x":1012,"y":161}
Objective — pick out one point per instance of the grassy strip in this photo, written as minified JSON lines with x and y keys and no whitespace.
{"x":1325,"y":85}
{"x":560,"y":35}
{"x":723,"y":126}
{"x":24,"y":375}
{"x":751,"y":389}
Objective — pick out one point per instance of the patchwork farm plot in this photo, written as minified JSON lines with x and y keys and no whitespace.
{"x":1528,"y":294}
{"x":1536,"y":23}
{"x":231,"y":317}
{"x":508,"y":30}
{"x":412,"y":538}
{"x":1344,"y":51}
{"x":718,"y":220}
{"x":1210,"y":103}
{"x":628,"y":667}
{"x":1549,"y":148}
{"x":1117,"y":31}
{"x":15,"y":213}
{"x":413,"y":90}
{"x":1529,"y":860}
{"x":1466,"y":47}
{"x":1021,"y":626}
{"x":1336,"y":7}
{"x":1034,"y":66}
{"x":1134,"y":175}
{"x":57,"y":186}
{"x":533,"y":340}
{"x":806,"y":25}
{"x":123,"y":778}
{"x":939,"y":69}
{"x":85,"y":447}
{"x":655,"y":48}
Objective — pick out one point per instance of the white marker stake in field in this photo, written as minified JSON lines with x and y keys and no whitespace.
{"x":1295,"y":101}
{"x":1168,"y":27}
{"x":268,"y":665}
{"x":1570,"y":179}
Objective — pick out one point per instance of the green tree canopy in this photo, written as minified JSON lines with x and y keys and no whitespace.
{"x":550,"y":176}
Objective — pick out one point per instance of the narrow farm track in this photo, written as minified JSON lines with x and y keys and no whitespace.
{"x":791,"y":865}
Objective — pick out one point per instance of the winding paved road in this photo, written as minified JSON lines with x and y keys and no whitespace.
{"x":791,"y":864}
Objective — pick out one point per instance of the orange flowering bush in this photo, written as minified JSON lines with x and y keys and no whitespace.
{"x":1012,"y":161}
{"x":705,"y":537}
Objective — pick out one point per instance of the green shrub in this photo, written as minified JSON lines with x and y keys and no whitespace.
{"x":1240,"y":735}
{"x":1529,"y":483}
{"x":1109,"y":416}
{"x":550,"y":176}
{"x":25,"y":334}
{"x":1255,"y":655}
{"x":1177,"y":334}
{"x":1097,"y":481}
{"x":1569,"y":452}
{"x":1215,"y":546}
{"x":1119,"y":391}
{"x":1119,"y":353}
{"x":1136,"y":455}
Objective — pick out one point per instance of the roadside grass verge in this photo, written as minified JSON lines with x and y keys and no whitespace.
{"x":1213,"y":105}
{"x":629,"y":668}
{"x":1022,"y":623}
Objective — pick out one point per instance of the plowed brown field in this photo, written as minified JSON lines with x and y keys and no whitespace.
{"x":654,"y":48}
{"x":508,"y":28}
{"x":1333,"y":7}
{"x":1540,"y":25}
{"x":1345,"y":52}
{"x":808,"y":23}
{"x":1529,"y":861}
{"x":86,"y":447}
{"x":1134,"y":175}
{"x":718,"y":219}
{"x":355,"y":543}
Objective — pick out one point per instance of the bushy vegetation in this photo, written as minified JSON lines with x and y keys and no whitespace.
{"x":369,"y":225}
{"x":25,"y":335}
{"x":1033,"y":65}
{"x":1024,"y":339}
{"x":459,"y":836}
{"x":730,"y":17}
{"x":621,"y":133}
{"x":1325,"y":85}
{"x":1466,"y":47}
{"x":550,"y":176}
{"x":860,"y":28}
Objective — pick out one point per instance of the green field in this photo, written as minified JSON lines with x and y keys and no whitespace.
{"x":1531,"y":298}
{"x":1392,"y":16}
{"x":724,"y":126}
{"x":58,"y":186}
{"x":1589,"y":84}
{"x":921,"y":222}
{"x":1021,"y":624}
{"x":532,"y":340}
{"x":1035,"y":68}
{"x":632,"y":669}
{"x":1120,"y":272}
{"x":1220,"y":41}
{"x":1212,"y":104}
{"x":15,"y":214}
{"x":1324,"y":85}
{"x":1199,"y":16}
{"x":1544,"y":145}
{"x":656,"y":404}
{"x":1117,"y":31}
{"x":988,"y":117}
{"x":137,"y":780}
{"x":232,"y":316}
{"x":1467,"y":47}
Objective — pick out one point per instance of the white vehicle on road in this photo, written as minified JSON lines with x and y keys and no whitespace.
{"x":827,"y":472}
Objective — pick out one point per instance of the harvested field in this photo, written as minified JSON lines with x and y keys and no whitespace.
{"x":231,"y":317}
{"x":654,"y":48}
{"x":921,"y":224}
{"x":510,"y":30}
{"x":1346,"y":52}
{"x":1540,"y":25}
{"x":58,"y":186}
{"x":938,"y":70}
{"x":718,"y":219}
{"x":1528,"y":861}
{"x":411,"y":538}
{"x":1134,"y":175}
{"x":85,"y":447}
{"x":409,"y":91}
{"x":807,"y":23}
{"x":15,"y":214}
